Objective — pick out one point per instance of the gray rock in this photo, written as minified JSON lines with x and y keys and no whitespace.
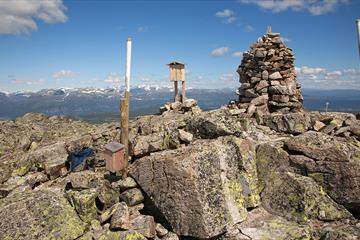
{"x":265,"y":75}
{"x":124,"y":184}
{"x":132,"y":196}
{"x":120,"y":219}
{"x":199,"y":188}
{"x":144,"y":225}
{"x":160,"y":230}
{"x":185,"y":136}
{"x":40,"y":214}
{"x":275,"y":76}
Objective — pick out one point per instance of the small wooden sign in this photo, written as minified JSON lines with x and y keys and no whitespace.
{"x":177,"y":71}
{"x":114,"y":157}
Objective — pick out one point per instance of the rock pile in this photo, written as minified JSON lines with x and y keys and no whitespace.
{"x":268,"y":78}
{"x":189,"y":105}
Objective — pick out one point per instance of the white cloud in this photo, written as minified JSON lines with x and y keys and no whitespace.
{"x":318,"y":77}
{"x":218,"y":52}
{"x":65,"y":74}
{"x":227,"y":14}
{"x":315,"y":7}
{"x":333,"y":74}
{"x":238,"y":54}
{"x":28,"y":82}
{"x":227,"y":77}
{"x":113,"y":78}
{"x":310,"y":70}
{"x":18,"y":16}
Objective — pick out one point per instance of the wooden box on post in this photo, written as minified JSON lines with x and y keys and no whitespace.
{"x":114,"y":157}
{"x":177,"y":71}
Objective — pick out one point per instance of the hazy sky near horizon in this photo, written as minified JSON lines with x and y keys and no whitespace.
{"x":55,"y":43}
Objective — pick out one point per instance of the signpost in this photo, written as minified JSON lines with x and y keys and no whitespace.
{"x":124,"y":111}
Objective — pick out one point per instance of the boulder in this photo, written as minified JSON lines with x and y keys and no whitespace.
{"x":294,"y":123}
{"x":333,"y":163}
{"x":299,"y":198}
{"x":40,"y":214}
{"x":84,"y":203}
{"x":201,"y":188}
{"x":262,"y":225}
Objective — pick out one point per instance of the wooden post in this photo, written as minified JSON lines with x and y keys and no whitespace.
{"x":124,"y":136}
{"x":176,"y":90}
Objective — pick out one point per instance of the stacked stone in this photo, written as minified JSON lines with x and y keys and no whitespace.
{"x":268,"y":78}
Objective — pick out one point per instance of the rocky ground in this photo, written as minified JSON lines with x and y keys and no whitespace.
{"x":198,"y":175}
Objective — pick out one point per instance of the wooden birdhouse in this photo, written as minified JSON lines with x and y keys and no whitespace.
{"x":114,"y":157}
{"x":177,"y":73}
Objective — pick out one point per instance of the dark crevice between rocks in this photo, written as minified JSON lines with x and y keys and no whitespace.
{"x":99,"y":204}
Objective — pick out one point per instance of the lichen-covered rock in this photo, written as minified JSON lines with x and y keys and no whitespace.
{"x":261,"y":225}
{"x":41,"y":214}
{"x":132,"y":196}
{"x":299,"y":198}
{"x":201,"y":188}
{"x":84,"y":203}
{"x":294,"y":123}
{"x":334,"y":163}
{"x":217,"y":123}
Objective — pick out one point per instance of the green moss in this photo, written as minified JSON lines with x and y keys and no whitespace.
{"x":299,"y":127}
{"x":22,"y":170}
{"x":318,"y":177}
{"x":236,"y":193}
{"x":134,"y":236}
{"x":355,"y":143}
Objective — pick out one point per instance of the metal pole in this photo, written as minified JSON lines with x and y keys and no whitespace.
{"x":124,"y":136}
{"x":358,"y":32}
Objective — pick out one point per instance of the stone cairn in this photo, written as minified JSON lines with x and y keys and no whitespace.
{"x":268,"y":78}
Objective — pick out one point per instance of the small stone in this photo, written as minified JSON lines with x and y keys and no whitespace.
{"x":260,"y":53}
{"x":189,"y":103}
{"x":170,"y":236}
{"x":328,"y":129}
{"x":265,"y":75}
{"x":251,"y":109}
{"x":176,"y":106}
{"x":262,"y":84}
{"x":250,"y":93}
{"x":260,"y":100}
{"x":132,"y":196}
{"x":318,"y":125}
{"x":145,"y":225}
{"x":275,"y":76}
{"x":342,"y":130}
{"x":245,"y":86}
{"x":280,"y":98}
{"x":120,"y":219}
{"x":125,"y":184}
{"x":185,"y":136}
{"x":160,"y":230}
{"x":254,"y":80}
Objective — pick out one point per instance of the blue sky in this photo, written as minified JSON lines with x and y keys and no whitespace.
{"x":53,"y":44}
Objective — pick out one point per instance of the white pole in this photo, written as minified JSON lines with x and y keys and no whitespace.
{"x":128,"y":65}
{"x":358,"y":32}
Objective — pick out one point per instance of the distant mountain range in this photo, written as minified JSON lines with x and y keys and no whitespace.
{"x":98,"y":105}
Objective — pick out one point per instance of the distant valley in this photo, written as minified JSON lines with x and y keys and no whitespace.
{"x":102,"y":105}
